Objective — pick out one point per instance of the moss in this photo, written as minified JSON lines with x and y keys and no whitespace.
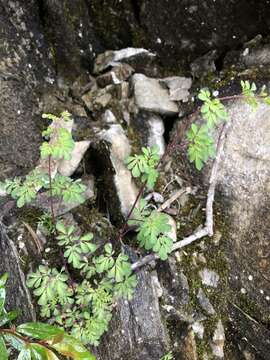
{"x":249,"y":307}
{"x":30,"y":215}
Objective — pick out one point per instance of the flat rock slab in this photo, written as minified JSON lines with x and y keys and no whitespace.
{"x":151,"y":96}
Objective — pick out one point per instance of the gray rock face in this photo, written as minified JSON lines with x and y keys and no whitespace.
{"x":180,"y":31}
{"x":23,"y":66}
{"x":18,"y":297}
{"x":244,"y":181}
{"x":71,"y":34}
{"x":151,"y":96}
{"x":133,"y":335}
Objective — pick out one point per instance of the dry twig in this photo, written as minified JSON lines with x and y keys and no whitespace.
{"x":207,"y":230}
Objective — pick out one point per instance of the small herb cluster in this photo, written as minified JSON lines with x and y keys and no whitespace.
{"x":143,"y":166}
{"x":201,"y":142}
{"x":152,"y":226}
{"x":35,"y":341}
{"x":83,"y":308}
{"x":60,"y":147}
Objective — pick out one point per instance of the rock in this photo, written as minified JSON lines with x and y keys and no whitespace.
{"x":256,"y":336}
{"x":71,"y":34}
{"x":175,"y":285}
{"x":188,"y":347}
{"x":256,"y":57}
{"x":205,"y":303}
{"x":209,"y":277}
{"x":217,"y":344}
{"x":132,"y":334}
{"x":178,"y":87}
{"x":43,"y":199}
{"x":244,"y":179}
{"x":67,"y":167}
{"x":98,"y":99}
{"x":156,"y":133}
{"x":119,"y":151}
{"x":25,"y":71}
{"x":151,"y":96}
{"x":179,"y":32}
{"x":117,"y":75}
{"x":156,"y":284}
{"x":18,"y":296}
{"x":114,"y":58}
{"x":198,"y":329}
{"x":204,"y":64}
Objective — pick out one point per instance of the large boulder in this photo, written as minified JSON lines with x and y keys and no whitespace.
{"x":244,"y":181}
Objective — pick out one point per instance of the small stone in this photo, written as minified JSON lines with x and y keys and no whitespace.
{"x":205,"y":303}
{"x":113,"y":58}
{"x":156,"y":132}
{"x":178,"y":87}
{"x":156,"y":285}
{"x":209,"y":277}
{"x":117,"y":75}
{"x":218,"y":341}
{"x":198,"y":329}
{"x":151,"y":96}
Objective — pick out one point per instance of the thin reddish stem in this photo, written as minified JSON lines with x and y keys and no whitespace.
{"x":51,"y":194}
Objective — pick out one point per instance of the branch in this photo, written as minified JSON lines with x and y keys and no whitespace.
{"x":207,"y":230}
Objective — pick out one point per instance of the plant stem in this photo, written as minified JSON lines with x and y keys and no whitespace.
{"x":51,"y":195}
{"x":25,"y":339}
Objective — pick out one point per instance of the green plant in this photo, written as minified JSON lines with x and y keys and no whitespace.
{"x":201,"y":142}
{"x":153,"y":228}
{"x":35,"y":341}
{"x":144,"y":165}
{"x":168,"y":356}
{"x":46,"y":223}
{"x":83,"y":307}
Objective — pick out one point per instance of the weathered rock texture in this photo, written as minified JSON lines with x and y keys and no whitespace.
{"x":24,"y":67}
{"x":244,"y":179}
{"x":133,"y":335}
{"x":179,"y":31}
{"x":18,"y":297}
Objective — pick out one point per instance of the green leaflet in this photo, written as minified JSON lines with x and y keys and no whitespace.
{"x":212,"y":110}
{"x":144,"y":165}
{"x":153,"y":228}
{"x":40,"y":331}
{"x":72,"y":348}
{"x":201,"y":145}
{"x":3,"y":349}
{"x":39,"y":352}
